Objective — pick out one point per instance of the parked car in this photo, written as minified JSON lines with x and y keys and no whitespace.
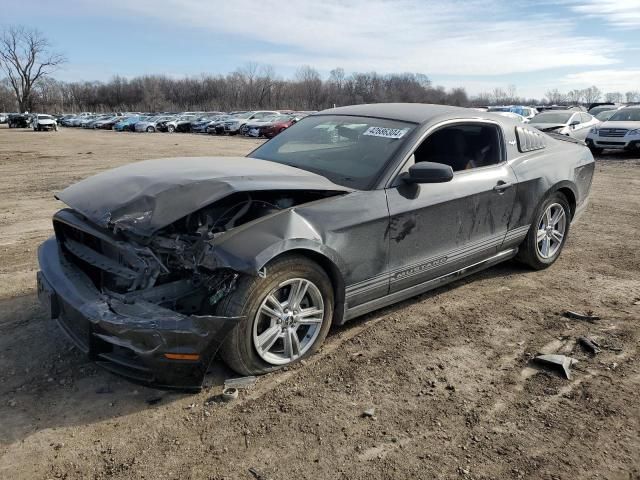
{"x":620,"y":132}
{"x":180,"y":123}
{"x":150,"y":124}
{"x":158,"y":265}
{"x":19,"y":120}
{"x":108,"y":123}
{"x":126,"y":124}
{"x":233,"y":125}
{"x":202,"y":124}
{"x":518,"y":118}
{"x":42,"y":122}
{"x":4,"y":117}
{"x":565,"y":122}
{"x":217,"y":126}
{"x":269,"y":126}
{"x":526,"y":112}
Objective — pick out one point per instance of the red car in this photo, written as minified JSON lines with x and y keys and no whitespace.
{"x":270,"y":126}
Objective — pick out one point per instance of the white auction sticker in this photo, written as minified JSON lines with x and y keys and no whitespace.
{"x":386,"y":132}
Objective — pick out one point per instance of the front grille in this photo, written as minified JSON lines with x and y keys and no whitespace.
{"x":613,"y":132}
{"x":600,"y":142}
{"x":100,"y":260}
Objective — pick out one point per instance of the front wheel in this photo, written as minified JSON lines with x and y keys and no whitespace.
{"x":548,"y":233}
{"x":171,"y":129}
{"x":286,"y":316}
{"x":151,"y":129}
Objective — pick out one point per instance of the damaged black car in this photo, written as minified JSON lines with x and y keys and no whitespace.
{"x":158,"y":266}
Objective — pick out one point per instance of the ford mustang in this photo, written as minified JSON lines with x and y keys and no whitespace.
{"x":158,"y":266}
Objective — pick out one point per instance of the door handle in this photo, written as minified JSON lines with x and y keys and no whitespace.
{"x":501,"y":186}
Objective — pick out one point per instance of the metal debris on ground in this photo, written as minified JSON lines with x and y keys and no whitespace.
{"x":229,"y":394}
{"x":257,"y":475}
{"x":558,"y":362}
{"x":241,"y":382}
{"x":589,"y":317}
{"x":589,"y":344}
{"x":369,"y":412}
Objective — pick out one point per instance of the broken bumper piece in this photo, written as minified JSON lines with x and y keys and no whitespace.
{"x":141,"y":341}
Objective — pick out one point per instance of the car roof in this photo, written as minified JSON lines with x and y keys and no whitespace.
{"x":407,"y":112}
{"x":560,"y":111}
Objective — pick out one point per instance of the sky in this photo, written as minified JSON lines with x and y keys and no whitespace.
{"x":535,"y":45}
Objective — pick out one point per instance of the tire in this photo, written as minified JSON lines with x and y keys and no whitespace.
{"x":151,"y":129}
{"x":240,"y":351}
{"x":171,"y":128}
{"x":532,"y":251}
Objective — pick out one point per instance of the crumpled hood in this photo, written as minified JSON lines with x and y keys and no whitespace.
{"x":146,"y":196}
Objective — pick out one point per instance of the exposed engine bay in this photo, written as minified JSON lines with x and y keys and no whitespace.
{"x":167,"y":268}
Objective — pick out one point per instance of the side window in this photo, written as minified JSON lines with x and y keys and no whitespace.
{"x":585,"y":118}
{"x":463,"y":146}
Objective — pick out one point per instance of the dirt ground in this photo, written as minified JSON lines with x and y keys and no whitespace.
{"x":448,"y":372}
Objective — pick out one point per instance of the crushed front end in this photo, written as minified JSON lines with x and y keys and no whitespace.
{"x":144,"y":311}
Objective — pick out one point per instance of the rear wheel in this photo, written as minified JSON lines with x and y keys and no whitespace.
{"x":151,"y":129}
{"x":547,"y":234}
{"x":286,"y":316}
{"x":171,"y":128}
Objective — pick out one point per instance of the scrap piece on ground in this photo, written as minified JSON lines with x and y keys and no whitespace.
{"x":589,"y":344}
{"x":558,"y":362}
{"x":229,"y":394}
{"x":240,"y":382}
{"x":581,"y":316}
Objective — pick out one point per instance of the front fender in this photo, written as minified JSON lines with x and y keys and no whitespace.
{"x":249,"y":247}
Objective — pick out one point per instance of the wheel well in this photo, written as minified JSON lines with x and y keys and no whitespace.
{"x":571,"y":198}
{"x":333,"y":272}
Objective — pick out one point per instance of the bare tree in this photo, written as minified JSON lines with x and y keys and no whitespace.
{"x":613,"y":97}
{"x":633,"y":96}
{"x":591,"y":94}
{"x":26,"y":57}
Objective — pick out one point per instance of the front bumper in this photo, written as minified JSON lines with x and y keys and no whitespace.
{"x":614,"y":143}
{"x":128,"y":339}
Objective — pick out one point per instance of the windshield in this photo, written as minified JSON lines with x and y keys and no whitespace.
{"x":552,"y":117}
{"x":349,"y":151}
{"x":44,"y":117}
{"x":606,"y":115}
{"x":626,"y":115}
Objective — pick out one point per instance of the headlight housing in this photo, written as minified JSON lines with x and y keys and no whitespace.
{"x":594,"y":130}
{"x":634,"y":132}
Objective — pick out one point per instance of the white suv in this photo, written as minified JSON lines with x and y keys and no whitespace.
{"x":44,"y":122}
{"x":620,"y":132}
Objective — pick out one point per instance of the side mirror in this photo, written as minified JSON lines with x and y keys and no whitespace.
{"x":574,"y":123}
{"x":428,"y":172}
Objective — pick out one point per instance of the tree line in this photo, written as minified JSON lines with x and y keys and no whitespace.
{"x":250,"y":87}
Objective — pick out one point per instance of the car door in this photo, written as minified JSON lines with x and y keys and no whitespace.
{"x":581,"y":130}
{"x":440,"y":228}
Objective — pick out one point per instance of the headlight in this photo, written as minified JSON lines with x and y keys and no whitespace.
{"x":634,"y":132}
{"x":594,"y":130}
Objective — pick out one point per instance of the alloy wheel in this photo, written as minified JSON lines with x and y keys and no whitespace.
{"x":551,"y":231}
{"x":288,"y":321}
